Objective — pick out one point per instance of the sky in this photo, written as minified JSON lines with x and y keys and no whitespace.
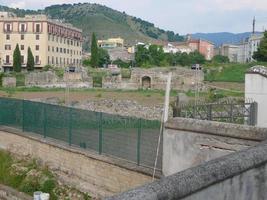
{"x":180,"y":16}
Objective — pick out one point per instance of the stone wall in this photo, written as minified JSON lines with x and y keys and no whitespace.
{"x":153,"y":78}
{"x":188,"y":142}
{"x":240,"y":175}
{"x":9,"y":82}
{"x":88,"y":172}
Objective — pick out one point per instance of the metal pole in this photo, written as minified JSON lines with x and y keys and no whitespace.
{"x":163,"y":119}
{"x":100,"y":137}
{"x":139,"y":141}
{"x":70,"y":126}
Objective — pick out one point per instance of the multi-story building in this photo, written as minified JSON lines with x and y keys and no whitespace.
{"x":204,"y":47}
{"x":111,"y":43}
{"x":51,"y":41}
{"x":230,"y":51}
{"x":248,"y":47}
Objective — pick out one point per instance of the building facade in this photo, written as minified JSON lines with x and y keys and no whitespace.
{"x":204,"y":47}
{"x":111,"y":43}
{"x":51,"y":41}
{"x":230,"y":51}
{"x":248,"y":47}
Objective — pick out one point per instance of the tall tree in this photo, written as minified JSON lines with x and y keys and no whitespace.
{"x":261,"y":53}
{"x":30,"y":60}
{"x":103,"y":57}
{"x":17,"y":59}
{"x":94,"y":52}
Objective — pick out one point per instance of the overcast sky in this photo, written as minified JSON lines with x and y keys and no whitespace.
{"x":181,"y":16}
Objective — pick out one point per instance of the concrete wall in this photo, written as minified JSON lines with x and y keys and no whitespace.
{"x":88,"y":172}
{"x":256,"y":89}
{"x":188,"y":143}
{"x":7,"y":193}
{"x":240,"y":175}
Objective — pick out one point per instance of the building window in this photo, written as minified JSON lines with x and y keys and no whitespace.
{"x":48,"y":48}
{"x":22,"y":37}
{"x":21,"y":47}
{"x":57,"y":49}
{"x":37,"y":28}
{"x":22,"y":28}
{"x":8,"y":28}
{"x":7,"y":59}
{"x":56,"y":60}
{"x":64,"y":50}
{"x":52,"y":60}
{"x":7,"y":47}
{"x":37,"y":37}
{"x":60,"y":50}
{"x":37,"y":61}
{"x":37,"y":47}
{"x":7,"y":37}
{"x":48,"y":60}
{"x":53,"y":49}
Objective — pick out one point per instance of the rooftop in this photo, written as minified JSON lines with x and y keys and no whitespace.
{"x":258,"y":69}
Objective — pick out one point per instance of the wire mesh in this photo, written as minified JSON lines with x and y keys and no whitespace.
{"x":127,"y":138}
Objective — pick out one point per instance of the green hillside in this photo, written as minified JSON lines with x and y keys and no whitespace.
{"x":104,"y":21}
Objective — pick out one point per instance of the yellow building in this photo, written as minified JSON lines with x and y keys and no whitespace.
{"x":52,"y":42}
{"x":111,"y":43}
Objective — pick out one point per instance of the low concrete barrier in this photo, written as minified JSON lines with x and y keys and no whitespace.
{"x":240,"y":175}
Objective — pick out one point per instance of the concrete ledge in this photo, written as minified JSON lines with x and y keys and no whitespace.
{"x":10,"y":193}
{"x":193,"y":180}
{"x":88,"y":153}
{"x":218,"y":128}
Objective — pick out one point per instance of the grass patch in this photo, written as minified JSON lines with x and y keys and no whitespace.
{"x":231,"y":72}
{"x":27,"y":176}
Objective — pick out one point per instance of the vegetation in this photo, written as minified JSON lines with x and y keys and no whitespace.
{"x":26,"y":176}
{"x":103,"y":57}
{"x":261,"y":53}
{"x":123,"y":64}
{"x":94,"y":52}
{"x":125,"y":73}
{"x":229,"y":72}
{"x":30,"y":60}
{"x":154,"y":56}
{"x":17,"y":59}
{"x":220,"y":59}
{"x":96,"y":18}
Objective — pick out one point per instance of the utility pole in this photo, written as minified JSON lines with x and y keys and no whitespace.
{"x":253,"y":25}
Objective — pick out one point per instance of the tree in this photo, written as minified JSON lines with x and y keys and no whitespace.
{"x":94,"y":52}
{"x":17,"y":59}
{"x":103,"y":57}
{"x":30,"y":60}
{"x":261,"y":53}
{"x":220,"y":59}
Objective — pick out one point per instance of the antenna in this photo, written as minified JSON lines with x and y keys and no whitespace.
{"x":253,"y":25}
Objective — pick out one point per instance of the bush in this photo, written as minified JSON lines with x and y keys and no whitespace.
{"x":125,"y":73}
{"x":59,"y":72}
{"x":20,"y":79}
{"x":97,"y":81}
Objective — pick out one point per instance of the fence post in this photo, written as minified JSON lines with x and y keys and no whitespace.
{"x":139,"y":141}
{"x":70,"y":125}
{"x":45,"y":120}
{"x":100,"y":136}
{"x":253,"y":114}
{"x":23,"y":115}
{"x":210,"y":112}
{"x":231,"y":112}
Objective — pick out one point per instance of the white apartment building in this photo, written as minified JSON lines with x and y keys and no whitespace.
{"x":230,"y":51}
{"x":247,"y":48}
{"x":51,"y":41}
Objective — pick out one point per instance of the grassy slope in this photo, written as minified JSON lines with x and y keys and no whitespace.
{"x":232,"y":72}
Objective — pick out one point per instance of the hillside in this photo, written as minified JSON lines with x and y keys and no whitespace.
{"x":104,"y":21}
{"x":223,"y":37}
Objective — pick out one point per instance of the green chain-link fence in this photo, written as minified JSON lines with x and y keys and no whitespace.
{"x":127,"y":138}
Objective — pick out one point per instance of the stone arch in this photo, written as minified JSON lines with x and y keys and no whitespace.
{"x":146,"y":82}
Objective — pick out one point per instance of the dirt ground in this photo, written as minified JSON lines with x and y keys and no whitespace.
{"x":228,"y":85}
{"x":144,"y":98}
